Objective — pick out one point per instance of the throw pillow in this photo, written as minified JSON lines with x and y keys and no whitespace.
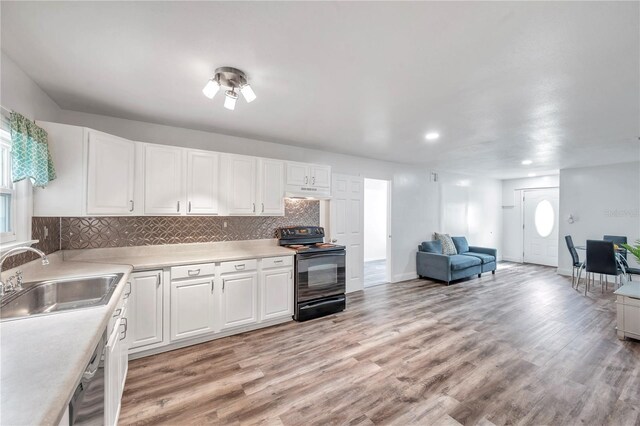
{"x":448,"y":247}
{"x":462,"y":246}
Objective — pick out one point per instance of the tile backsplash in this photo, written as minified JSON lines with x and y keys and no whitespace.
{"x":101,"y":232}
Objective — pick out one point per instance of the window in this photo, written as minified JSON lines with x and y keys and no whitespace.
{"x":7,"y":188}
{"x":544,"y":218}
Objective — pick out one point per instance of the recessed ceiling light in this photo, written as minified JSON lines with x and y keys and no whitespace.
{"x":432,"y":136}
{"x":526,"y":162}
{"x":532,"y":175}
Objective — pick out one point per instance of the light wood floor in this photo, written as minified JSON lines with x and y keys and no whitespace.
{"x":518,"y":347}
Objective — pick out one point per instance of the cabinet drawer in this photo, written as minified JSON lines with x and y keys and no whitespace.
{"x":238,"y":266}
{"x":275,"y":262}
{"x":192,"y":271}
{"x":630,"y":301}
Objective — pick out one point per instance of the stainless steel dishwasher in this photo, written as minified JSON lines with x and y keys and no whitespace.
{"x":88,"y":401}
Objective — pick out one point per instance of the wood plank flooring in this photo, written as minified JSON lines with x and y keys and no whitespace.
{"x":518,"y":347}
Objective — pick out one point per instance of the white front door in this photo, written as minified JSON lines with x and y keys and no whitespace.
{"x":540,"y":220}
{"x":347,"y":225}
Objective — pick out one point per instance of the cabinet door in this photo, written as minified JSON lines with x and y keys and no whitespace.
{"x":112,"y":389}
{"x":124,"y":349}
{"x":321,"y":176}
{"x":163,"y":180}
{"x":145,"y":309}
{"x":202,"y":182}
{"x":241,"y":187}
{"x":239,"y":299}
{"x":110,"y":174}
{"x":192,"y":308}
{"x":297,"y":174}
{"x":271,"y":184}
{"x":276,"y":287}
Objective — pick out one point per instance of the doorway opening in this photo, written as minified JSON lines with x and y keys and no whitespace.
{"x":377,"y":263}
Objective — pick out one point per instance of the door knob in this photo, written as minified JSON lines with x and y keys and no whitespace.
{"x":333,"y":240}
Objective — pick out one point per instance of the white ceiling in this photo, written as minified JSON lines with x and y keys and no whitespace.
{"x":558,"y":83}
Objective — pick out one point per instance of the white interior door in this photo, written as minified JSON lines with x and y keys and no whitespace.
{"x":540,"y":226}
{"x":347,"y":225}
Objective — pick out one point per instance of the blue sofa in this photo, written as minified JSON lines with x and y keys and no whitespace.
{"x":470,"y":260}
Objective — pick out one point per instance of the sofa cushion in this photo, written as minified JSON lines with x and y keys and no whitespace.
{"x":448,"y":247}
{"x":461,"y":261}
{"x":462,"y":246}
{"x":431,"y":247}
{"x":484,"y":258}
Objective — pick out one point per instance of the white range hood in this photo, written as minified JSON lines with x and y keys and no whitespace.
{"x":308,"y":193}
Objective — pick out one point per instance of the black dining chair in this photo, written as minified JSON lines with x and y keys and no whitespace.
{"x":601,"y":259}
{"x":622,"y":252}
{"x":576,"y":265}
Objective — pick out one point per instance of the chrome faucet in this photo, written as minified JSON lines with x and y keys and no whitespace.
{"x":9,"y":286}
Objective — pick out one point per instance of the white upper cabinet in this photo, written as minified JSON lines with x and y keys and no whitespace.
{"x":270,"y":187}
{"x":297,"y":174}
{"x":241,"y":184}
{"x":320,"y":176}
{"x":163,"y":180}
{"x":110,"y":175}
{"x":202,"y":182}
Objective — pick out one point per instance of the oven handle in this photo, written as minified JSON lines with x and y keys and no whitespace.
{"x":322,"y":302}
{"x":316,"y":255}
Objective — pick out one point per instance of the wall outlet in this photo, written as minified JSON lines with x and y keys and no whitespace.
{"x":224,"y":224}
{"x":45,"y":232}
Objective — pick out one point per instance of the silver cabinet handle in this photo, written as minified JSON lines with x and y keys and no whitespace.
{"x":178,"y":207}
{"x":131,"y":204}
{"x":254,"y":207}
{"x":223,"y":286}
{"x":278,"y":261}
{"x":123,"y":334}
{"x":126,"y":295}
{"x":158,"y":280}
{"x":193,"y":272}
{"x":313,"y":180}
{"x":189,"y":206}
{"x":212,"y":286}
{"x":117,"y":312}
{"x":240,"y":267}
{"x":262,"y":207}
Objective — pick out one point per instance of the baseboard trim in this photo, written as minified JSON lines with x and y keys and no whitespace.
{"x":563,"y":271}
{"x":404,"y":277}
{"x":511,"y":259}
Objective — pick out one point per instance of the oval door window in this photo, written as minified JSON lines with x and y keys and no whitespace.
{"x":544,"y":218}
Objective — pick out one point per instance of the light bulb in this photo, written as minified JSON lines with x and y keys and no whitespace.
{"x":230,"y":100}
{"x":432,"y":136}
{"x":248,"y":94}
{"x":211,"y":89}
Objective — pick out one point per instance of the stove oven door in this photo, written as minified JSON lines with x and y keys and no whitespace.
{"x":320,"y":275}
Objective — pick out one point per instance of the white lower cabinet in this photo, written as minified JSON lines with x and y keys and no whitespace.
{"x":192,"y":307}
{"x":113,"y":375}
{"x":277,"y":293}
{"x":238,"y":301}
{"x":145,"y":309}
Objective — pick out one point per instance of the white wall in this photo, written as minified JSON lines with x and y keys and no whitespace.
{"x":375,"y":219}
{"x":512,"y":242}
{"x":603,"y":200}
{"x":19,"y":93}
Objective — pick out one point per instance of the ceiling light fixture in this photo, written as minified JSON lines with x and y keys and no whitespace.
{"x":432,"y":136}
{"x":532,"y":175}
{"x":232,"y":80}
{"x":526,"y":162}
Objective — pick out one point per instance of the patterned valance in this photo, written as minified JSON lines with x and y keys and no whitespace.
{"x":30,"y":156}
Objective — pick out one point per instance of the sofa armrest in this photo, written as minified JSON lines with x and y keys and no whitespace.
{"x":433,"y":265}
{"x":485,"y":250}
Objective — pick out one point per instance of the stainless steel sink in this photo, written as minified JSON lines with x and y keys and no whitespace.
{"x":47,"y":297}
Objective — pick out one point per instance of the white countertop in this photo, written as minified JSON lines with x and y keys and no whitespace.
{"x":630,"y":289}
{"x":43,"y":357}
{"x":153,"y":257}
